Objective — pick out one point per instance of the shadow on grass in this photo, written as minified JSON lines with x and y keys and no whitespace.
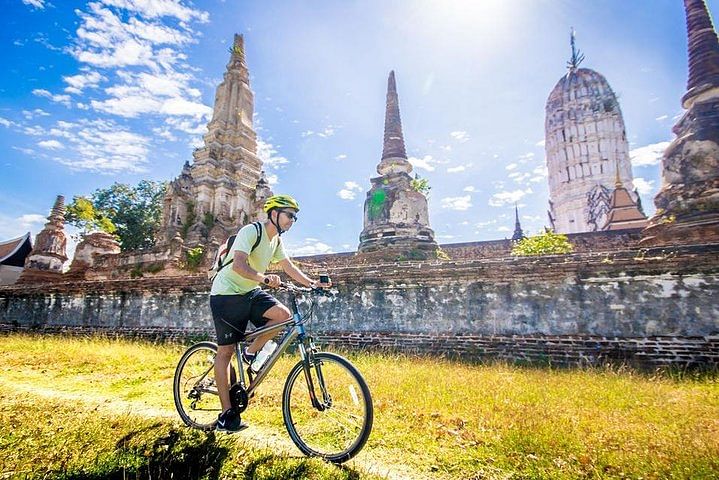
{"x":157,"y":451}
{"x":269,"y":466}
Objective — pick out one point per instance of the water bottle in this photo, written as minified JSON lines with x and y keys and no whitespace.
{"x":263,"y":355}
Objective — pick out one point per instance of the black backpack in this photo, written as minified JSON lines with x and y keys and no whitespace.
{"x":224,"y":251}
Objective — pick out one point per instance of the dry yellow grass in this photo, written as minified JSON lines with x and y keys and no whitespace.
{"x":442,"y":418}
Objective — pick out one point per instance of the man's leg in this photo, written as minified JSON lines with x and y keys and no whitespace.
{"x":274,"y":315}
{"x":222,"y":374}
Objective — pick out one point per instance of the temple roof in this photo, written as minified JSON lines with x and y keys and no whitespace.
{"x":624,"y":213}
{"x":12,"y":250}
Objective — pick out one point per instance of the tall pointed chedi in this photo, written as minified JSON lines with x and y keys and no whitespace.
{"x":219,"y":191}
{"x":688,"y":202}
{"x":395,"y":213}
{"x":586,"y":143}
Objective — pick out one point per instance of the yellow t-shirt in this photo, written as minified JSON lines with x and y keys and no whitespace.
{"x":227,"y":281}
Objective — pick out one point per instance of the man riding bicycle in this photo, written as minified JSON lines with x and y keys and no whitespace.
{"x":236,"y":298}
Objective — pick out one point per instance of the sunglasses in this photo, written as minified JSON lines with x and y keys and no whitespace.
{"x":290,"y":214}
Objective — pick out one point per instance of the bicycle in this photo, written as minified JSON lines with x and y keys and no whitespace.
{"x":333,"y":422}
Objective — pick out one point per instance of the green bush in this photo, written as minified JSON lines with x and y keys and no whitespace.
{"x":194,"y":257}
{"x":547,"y":243}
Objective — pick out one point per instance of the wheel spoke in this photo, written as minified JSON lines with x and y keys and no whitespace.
{"x":340,"y":430}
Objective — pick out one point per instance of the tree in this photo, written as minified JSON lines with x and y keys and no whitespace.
{"x":82,"y":214}
{"x":134,"y":212}
{"x":547,"y":243}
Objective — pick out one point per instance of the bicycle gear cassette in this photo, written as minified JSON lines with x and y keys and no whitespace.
{"x":238,"y":398}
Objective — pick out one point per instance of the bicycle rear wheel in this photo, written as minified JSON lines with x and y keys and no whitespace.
{"x":194,"y":387}
{"x":339,"y":428}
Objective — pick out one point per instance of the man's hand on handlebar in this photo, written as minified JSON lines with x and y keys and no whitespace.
{"x":319,"y":284}
{"x":272,"y":281}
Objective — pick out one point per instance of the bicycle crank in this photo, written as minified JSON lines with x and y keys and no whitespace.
{"x":238,"y":398}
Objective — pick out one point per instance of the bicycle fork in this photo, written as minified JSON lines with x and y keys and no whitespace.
{"x":309,"y":361}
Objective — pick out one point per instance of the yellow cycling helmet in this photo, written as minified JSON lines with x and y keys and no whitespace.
{"x":281,"y":201}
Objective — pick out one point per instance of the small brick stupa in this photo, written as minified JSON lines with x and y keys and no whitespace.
{"x":46,"y":261}
{"x":688,"y":202}
{"x":396,"y":220}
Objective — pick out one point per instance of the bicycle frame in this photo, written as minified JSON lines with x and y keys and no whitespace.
{"x":296,"y":332}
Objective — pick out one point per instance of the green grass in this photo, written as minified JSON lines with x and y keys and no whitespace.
{"x":436,"y":417}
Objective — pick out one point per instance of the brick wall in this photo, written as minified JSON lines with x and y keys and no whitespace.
{"x":582,"y":308}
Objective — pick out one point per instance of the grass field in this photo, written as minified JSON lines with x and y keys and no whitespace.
{"x":75,"y":403}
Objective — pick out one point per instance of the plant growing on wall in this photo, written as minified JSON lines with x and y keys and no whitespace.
{"x":420,"y":185}
{"x":193,"y":257}
{"x":547,"y":243}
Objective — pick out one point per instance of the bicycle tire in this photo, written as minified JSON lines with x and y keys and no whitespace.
{"x":298,"y":412}
{"x":186,"y":383}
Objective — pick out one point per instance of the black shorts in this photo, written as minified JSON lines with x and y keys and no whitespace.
{"x":232,"y":312}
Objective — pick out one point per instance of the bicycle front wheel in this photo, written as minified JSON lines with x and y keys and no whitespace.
{"x":194,"y":387}
{"x":337,"y":427}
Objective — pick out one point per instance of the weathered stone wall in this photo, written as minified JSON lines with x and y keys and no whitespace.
{"x":651,"y":306}
{"x":588,"y":242}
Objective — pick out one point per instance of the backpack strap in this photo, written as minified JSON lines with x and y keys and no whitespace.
{"x":258,"y":229}
{"x":231,"y":240}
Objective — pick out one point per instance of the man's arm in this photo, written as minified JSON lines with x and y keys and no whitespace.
{"x":242,"y":268}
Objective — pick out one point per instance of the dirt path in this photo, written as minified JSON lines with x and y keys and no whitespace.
{"x":254,"y":436}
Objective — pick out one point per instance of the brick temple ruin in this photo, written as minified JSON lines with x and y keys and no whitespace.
{"x":635,"y":290}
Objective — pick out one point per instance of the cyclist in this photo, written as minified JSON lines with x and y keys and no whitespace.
{"x":236,"y":298}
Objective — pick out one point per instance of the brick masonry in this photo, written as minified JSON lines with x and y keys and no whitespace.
{"x":647,"y":307}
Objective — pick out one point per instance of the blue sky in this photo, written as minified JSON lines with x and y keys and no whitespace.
{"x":120,"y":90}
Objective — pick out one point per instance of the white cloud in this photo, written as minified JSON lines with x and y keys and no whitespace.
{"x":540,"y":143}
{"x":507,"y":198}
{"x":661,"y":117}
{"x":503,"y":229}
{"x":648,"y":155}
{"x":457,"y":203}
{"x":511,"y":166}
{"x":310,"y":246}
{"x":424,"y":163}
{"x":460,"y":168}
{"x":51,"y":144}
{"x":64,"y":99}
{"x":643,"y":186}
{"x":6,"y":123}
{"x":13,"y":227}
{"x":272,"y":179}
{"x":327,"y":132}
{"x":99,"y":146}
{"x":350,"y":190}
{"x":469,"y":189}
{"x":460,"y":135}
{"x":35,"y":3}
{"x":35,"y":113}
{"x":267,"y":153}
{"x":341,"y":156}
{"x":161,"y":8}
{"x":77,"y":83}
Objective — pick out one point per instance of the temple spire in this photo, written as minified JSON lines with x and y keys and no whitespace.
{"x":57,"y":214}
{"x":393,"y":138}
{"x":577,"y":56}
{"x":518,"y":233}
{"x":617,"y":179}
{"x":703,"y":49}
